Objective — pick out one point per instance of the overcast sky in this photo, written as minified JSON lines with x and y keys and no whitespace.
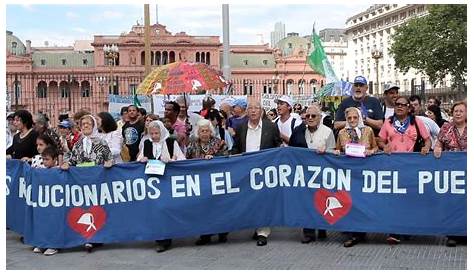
{"x":62,"y":24}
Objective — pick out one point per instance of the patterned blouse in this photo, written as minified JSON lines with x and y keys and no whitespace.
{"x":450,"y":139}
{"x":367,"y":138}
{"x":215,"y":147}
{"x":99,"y":153}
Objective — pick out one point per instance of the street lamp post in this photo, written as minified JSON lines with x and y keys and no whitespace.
{"x":377,"y":54}
{"x":111,"y":53}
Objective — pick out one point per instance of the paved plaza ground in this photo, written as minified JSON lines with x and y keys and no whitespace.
{"x":284,"y":251}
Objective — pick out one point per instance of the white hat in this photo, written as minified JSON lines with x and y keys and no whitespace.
{"x":286,"y":99}
{"x":390,"y":86}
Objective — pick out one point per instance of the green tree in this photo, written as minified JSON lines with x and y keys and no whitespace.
{"x":435,"y":44}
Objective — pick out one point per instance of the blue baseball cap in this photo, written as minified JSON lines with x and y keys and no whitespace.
{"x":241,"y":102}
{"x":65,"y":124}
{"x":360,"y":80}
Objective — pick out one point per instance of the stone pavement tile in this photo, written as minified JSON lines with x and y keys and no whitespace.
{"x":284,"y":251}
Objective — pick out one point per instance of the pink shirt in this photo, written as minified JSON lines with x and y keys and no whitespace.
{"x":402,"y":142}
{"x":179,"y":127}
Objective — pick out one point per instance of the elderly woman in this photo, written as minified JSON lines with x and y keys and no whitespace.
{"x":453,"y":137}
{"x":356,"y":132}
{"x":158,"y":145}
{"x":314,"y":135}
{"x":205,"y":146}
{"x":24,"y":142}
{"x":90,"y":150}
{"x":400,"y":133}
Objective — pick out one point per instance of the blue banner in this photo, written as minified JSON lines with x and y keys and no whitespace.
{"x":400,"y":193}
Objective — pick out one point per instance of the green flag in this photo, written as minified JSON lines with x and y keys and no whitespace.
{"x":319,"y":61}
{"x":136,"y":102}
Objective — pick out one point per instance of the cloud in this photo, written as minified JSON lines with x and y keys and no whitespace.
{"x":78,"y":29}
{"x":72,"y":15}
{"x":109,"y":14}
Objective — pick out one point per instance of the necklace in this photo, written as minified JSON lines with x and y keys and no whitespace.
{"x":205,"y":148}
{"x":311,"y":135}
{"x":26,"y":133}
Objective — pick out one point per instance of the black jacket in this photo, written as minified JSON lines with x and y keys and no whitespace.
{"x":270,"y":137}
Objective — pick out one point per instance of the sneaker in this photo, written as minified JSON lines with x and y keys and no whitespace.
{"x":392,"y":240}
{"x":37,"y":250}
{"x":451,"y":243}
{"x":50,"y":251}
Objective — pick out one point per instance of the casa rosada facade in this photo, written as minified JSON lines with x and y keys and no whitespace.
{"x":56,"y":80}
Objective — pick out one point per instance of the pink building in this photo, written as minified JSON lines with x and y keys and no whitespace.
{"x":56,"y":80}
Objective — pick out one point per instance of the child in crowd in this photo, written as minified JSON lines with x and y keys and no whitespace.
{"x":49,"y":157}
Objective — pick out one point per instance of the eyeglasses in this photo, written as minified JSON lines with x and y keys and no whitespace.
{"x":358,"y":85}
{"x":402,"y":104}
{"x":312,"y":116}
{"x":271,"y":114}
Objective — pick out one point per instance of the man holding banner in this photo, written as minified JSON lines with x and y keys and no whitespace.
{"x":257,"y":134}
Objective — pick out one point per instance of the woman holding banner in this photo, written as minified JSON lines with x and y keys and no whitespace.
{"x":453,"y":137}
{"x":403,"y":132}
{"x":90,"y":150}
{"x":205,"y":146}
{"x":355,"y":133}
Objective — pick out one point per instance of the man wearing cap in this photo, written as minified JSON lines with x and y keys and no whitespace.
{"x":370,"y":108}
{"x":286,"y":122}
{"x":390,"y":94}
{"x":240,"y":116}
{"x":254,"y":135}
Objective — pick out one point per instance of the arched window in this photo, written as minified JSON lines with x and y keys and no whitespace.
{"x":152,"y":58}
{"x":85,"y":89}
{"x":208,"y":58}
{"x":165,"y":57}
{"x":289,"y":86}
{"x":313,"y":84}
{"x":172,"y":57}
{"x":203,"y":57}
{"x":248,"y":87}
{"x":41,"y":89}
{"x":64,"y":89}
{"x":142,"y":58}
{"x":198,"y":57}
{"x":158,"y":58}
{"x":301,"y":84}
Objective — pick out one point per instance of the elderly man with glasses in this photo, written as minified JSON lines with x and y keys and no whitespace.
{"x":314,"y":135}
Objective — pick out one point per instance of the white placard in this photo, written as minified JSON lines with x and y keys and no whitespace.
{"x":155,"y":167}
{"x":355,"y":150}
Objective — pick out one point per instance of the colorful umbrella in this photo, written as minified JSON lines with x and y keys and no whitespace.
{"x":182,"y":77}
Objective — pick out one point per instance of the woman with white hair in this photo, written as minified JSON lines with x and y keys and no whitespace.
{"x":158,"y":145}
{"x":205,"y":145}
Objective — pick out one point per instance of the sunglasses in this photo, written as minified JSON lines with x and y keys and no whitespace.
{"x":312,"y":116}
{"x":402,"y":104}
{"x":271,"y":114}
{"x":358,"y":85}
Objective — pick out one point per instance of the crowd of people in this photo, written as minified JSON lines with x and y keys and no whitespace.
{"x":394,"y":124}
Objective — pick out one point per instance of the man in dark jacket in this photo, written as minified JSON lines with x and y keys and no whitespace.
{"x":257,"y":134}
